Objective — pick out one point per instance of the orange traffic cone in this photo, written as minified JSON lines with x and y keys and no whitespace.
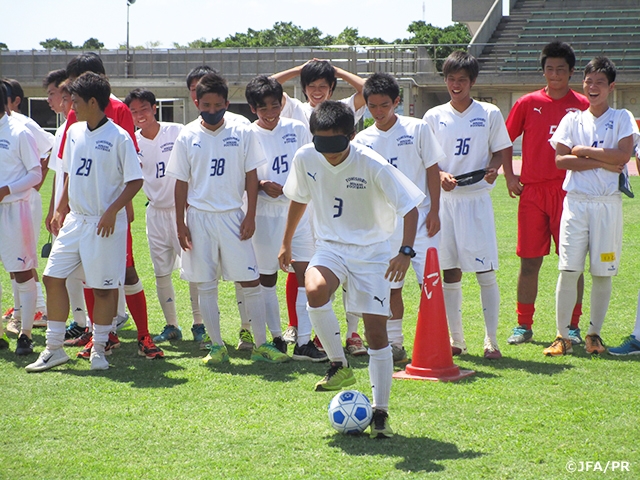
{"x":432,"y":359}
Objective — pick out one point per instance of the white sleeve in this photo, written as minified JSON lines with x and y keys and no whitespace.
{"x":628,"y":126}
{"x":253,"y":152}
{"x":351,"y":102}
{"x":402,"y":194}
{"x":295,"y":188}
{"x":31,"y":179}
{"x":131,"y":169}
{"x":499,"y":136}
{"x":430,"y":150}
{"x":179,"y":167}
{"x":563,"y":132}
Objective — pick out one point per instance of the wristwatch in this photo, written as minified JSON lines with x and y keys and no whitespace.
{"x":407,"y":250}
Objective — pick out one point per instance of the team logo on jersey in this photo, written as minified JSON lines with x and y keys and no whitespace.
{"x":108,"y":282}
{"x":538,"y":109}
{"x":104,"y":145}
{"x":5,"y":144}
{"x":166,"y":147}
{"x":312,"y":175}
{"x":231,"y":142}
{"x":356,"y":182}
{"x":609,"y":125}
{"x":197,"y":144}
{"x":478,"y":122}
{"x":405,"y":140}
{"x":289,"y":138}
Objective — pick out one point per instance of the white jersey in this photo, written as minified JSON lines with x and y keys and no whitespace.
{"x":410,"y":146}
{"x":468,"y":138}
{"x":294,"y":108}
{"x":215,"y":164}
{"x":280,"y":146}
{"x":154,"y":157}
{"x":605,"y":131}
{"x":55,"y":164}
{"x":356,"y":202}
{"x":44,"y":140}
{"x":99,"y":164}
{"x":234,"y":117}
{"x":18,"y":155}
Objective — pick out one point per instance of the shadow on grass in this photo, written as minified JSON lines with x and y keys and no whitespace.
{"x":530,"y":366}
{"x":418,"y":454}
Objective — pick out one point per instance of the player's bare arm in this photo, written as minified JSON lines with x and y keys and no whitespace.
{"x":63,"y":208}
{"x":565,"y":160}
{"x":107,"y":223}
{"x":614,"y":156}
{"x":286,"y":75}
{"x":4,"y":191}
{"x":248,"y":225}
{"x":513,"y":181}
{"x":296,"y":210}
{"x":49,"y":217}
{"x":497,"y":160}
{"x":273,"y":189}
{"x":447,"y":181}
{"x":433,"y":185}
{"x":180,"y":194}
{"x":356,"y":82}
{"x":399,"y":264}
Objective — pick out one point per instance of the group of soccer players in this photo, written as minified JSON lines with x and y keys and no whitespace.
{"x":300,"y":190}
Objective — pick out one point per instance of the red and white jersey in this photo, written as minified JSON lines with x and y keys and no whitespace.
{"x":18,"y":155}
{"x":410,"y":146}
{"x":154,"y":157}
{"x":537,"y":115}
{"x":294,"y":108}
{"x":215,"y":164}
{"x":99,"y":164}
{"x":357,"y":202}
{"x":44,"y":140}
{"x":468,"y":138}
{"x":280,"y":146}
{"x":605,"y":131}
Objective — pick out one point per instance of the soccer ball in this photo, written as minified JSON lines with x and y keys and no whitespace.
{"x":350,"y":412}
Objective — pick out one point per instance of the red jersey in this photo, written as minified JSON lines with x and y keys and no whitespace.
{"x":116,"y":111}
{"x":537,"y":115}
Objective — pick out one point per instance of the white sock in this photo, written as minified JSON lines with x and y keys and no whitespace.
{"x":195,"y":304}
{"x":75,"y":288}
{"x":17,"y":314}
{"x":600,"y":296}
{"x":272,"y":309}
{"x":380,"y":375}
{"x":27,"y":294}
{"x":41,"y":305}
{"x":566,"y":296}
{"x":453,"y":305}
{"x":325,"y":323}
{"x":394,"y":332}
{"x":490,"y":298}
{"x":304,"y":324}
{"x":254,"y":306}
{"x":208,"y":300}
{"x":352,"y":324}
{"x":636,"y":328}
{"x":55,"y":334}
{"x":244,"y":318}
{"x":122,"y":301}
{"x":133,"y":289}
{"x":101,"y":335}
{"x":167,"y":299}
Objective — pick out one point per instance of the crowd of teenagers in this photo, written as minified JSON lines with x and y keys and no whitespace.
{"x":302,"y":191}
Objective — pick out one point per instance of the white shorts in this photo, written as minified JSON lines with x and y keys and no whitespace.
{"x":271,"y":220}
{"x":468,"y":232}
{"x":164,"y":245}
{"x":594,"y":225}
{"x":361,"y":272}
{"x":104,"y":259}
{"x":421,"y":244}
{"x":216,"y":243}
{"x":35,"y":201}
{"x":17,"y":238}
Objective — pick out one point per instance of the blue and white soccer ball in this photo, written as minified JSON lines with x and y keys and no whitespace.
{"x":350,"y":412}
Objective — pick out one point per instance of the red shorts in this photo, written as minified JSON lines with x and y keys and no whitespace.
{"x":539,"y":212}
{"x":130,"y":262}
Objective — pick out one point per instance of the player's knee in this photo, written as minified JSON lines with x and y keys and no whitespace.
{"x":268,"y":280}
{"x":453,"y":275}
{"x":25,"y":276}
{"x":251,"y":284}
{"x":530,"y":266}
{"x":131,"y":276}
{"x":103,"y":294}
{"x":376,"y":334}
{"x":52,"y":282}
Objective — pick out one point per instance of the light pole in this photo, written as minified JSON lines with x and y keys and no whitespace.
{"x":127,"y":59}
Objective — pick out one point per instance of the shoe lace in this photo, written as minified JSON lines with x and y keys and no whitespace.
{"x":334,"y":367}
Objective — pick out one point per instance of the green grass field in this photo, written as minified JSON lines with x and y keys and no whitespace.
{"x":525,"y":416}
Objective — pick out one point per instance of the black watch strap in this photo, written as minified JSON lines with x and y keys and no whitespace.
{"x":407,"y":250}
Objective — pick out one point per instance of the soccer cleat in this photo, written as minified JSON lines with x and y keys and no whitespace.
{"x":491,"y":350}
{"x":337,"y":378}
{"x":355,"y":346}
{"x":560,"y":346}
{"x":74,"y":331}
{"x":593,"y":344}
{"x":521,"y":334}
{"x":14,"y":326}
{"x":112,"y":342}
{"x":98,"y":358}
{"x":280,"y":344}
{"x":318,"y":344}
{"x":198,"y":332}
{"x":268,"y":352}
{"x":81,"y":341}
{"x":309,"y":353}
{"x":630,"y":346}
{"x":458,"y":348}
{"x":399,"y":354}
{"x":206,"y":342}
{"x":4,"y":341}
{"x":290,"y":335}
{"x":146,"y":348}
{"x":39,"y":320}
{"x":48,"y":359}
{"x":121,"y":321}
{"x":246,"y":340}
{"x":8,"y":315}
{"x":380,"y":427}
{"x":574,"y":336}
{"x":170,"y":332}
{"x":25,"y":345}
{"x":217,"y":354}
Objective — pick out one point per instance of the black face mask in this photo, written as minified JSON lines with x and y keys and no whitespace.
{"x":333,"y":144}
{"x":213,"y":118}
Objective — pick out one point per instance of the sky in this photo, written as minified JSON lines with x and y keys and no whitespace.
{"x":182,"y":21}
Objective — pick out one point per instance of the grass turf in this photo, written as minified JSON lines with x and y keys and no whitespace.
{"x":525,"y":416}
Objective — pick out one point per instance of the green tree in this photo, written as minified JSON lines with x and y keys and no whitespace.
{"x":3,"y":46}
{"x":92,"y":44}
{"x":350,"y":36}
{"x":425,"y":33}
{"x":56,"y":44}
